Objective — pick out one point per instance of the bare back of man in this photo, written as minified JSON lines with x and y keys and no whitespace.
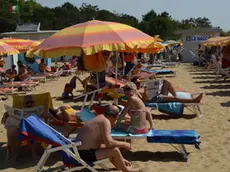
{"x":97,"y":144}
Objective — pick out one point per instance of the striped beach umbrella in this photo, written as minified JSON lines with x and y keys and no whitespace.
{"x":7,"y":49}
{"x":21,"y":45}
{"x":92,"y":37}
{"x":33,"y":48}
{"x":150,"y":48}
{"x":216,"y":41}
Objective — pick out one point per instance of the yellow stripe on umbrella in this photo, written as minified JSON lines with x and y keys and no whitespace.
{"x":21,"y":45}
{"x":30,"y":52}
{"x":7,"y":49}
{"x":154,"y":47}
{"x":92,"y":37}
{"x":216,"y":41}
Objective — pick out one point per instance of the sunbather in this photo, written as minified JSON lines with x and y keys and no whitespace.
{"x":165,"y":87}
{"x":137,"y":111}
{"x":11,"y":125}
{"x":63,"y":113}
{"x":22,"y":72}
{"x":97,"y":144}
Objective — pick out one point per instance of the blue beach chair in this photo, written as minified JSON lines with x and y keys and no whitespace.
{"x":34,"y":128}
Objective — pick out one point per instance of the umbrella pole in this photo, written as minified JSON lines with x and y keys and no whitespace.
{"x":98,"y":87}
{"x":116,"y":70}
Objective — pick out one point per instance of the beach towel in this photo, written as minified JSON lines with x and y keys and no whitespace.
{"x":174,"y":109}
{"x":174,"y":137}
{"x":43,"y":99}
{"x":157,"y":71}
{"x":165,"y":136}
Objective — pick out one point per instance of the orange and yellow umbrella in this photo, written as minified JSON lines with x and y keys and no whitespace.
{"x":33,"y":48}
{"x":92,"y":37}
{"x":157,"y":38}
{"x":36,"y":43}
{"x":154,"y":47}
{"x":216,"y":41}
{"x":7,"y":49}
{"x":21,"y":45}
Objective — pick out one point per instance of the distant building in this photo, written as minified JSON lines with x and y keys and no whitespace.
{"x":26,"y":31}
{"x":192,"y":37}
{"x":29,"y":31}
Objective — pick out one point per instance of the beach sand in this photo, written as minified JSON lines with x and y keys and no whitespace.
{"x":213,"y":127}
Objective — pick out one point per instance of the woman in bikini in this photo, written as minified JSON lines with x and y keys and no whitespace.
{"x":135,"y":107}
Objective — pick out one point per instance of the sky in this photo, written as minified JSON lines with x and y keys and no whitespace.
{"x":215,"y":10}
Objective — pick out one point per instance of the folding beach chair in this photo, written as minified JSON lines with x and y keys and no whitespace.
{"x":153,"y":87}
{"x":33,"y":127}
{"x":221,"y":72}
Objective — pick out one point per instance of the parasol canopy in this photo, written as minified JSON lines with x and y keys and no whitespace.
{"x":92,"y":37}
{"x":217,"y":41}
{"x":21,"y":45}
{"x":7,"y":49}
{"x":33,"y":48}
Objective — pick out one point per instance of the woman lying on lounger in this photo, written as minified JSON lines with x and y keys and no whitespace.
{"x":137,"y":111}
{"x":165,"y":87}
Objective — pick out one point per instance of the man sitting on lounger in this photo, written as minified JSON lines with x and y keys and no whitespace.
{"x":97,"y":144}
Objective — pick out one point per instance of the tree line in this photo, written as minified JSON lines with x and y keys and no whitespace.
{"x":68,"y":14}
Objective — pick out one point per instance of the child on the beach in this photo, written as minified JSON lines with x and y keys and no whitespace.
{"x":69,"y":87}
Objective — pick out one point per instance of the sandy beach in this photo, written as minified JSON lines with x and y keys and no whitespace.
{"x":213,"y":127}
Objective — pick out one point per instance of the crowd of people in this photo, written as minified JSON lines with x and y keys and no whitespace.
{"x":134,"y":117}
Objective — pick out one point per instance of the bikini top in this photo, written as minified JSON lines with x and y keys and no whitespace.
{"x":137,"y":110}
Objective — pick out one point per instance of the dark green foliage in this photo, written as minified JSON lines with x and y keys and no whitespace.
{"x":68,"y":14}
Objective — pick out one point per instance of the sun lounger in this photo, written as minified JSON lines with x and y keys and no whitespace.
{"x":160,"y":72}
{"x":161,"y":64}
{"x":26,"y":86}
{"x":33,"y":128}
{"x":112,"y":81}
{"x":6,"y":91}
{"x":172,"y":108}
{"x":180,"y":137}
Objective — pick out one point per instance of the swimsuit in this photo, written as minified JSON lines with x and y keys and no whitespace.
{"x":137,"y":131}
{"x":70,"y":111}
{"x":88,"y":155}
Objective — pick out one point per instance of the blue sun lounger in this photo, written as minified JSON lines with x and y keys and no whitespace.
{"x":179,"y":137}
{"x":160,"y":72}
{"x":34,"y":128}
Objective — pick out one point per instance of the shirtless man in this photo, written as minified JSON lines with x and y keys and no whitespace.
{"x":139,"y":114}
{"x":97,"y":144}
